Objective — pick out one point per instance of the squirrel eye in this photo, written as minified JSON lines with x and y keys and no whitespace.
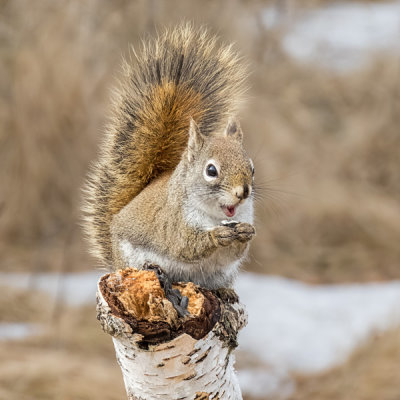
{"x":211,"y":171}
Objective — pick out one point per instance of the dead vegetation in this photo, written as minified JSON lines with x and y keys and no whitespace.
{"x":54,"y":366}
{"x":325,"y":144}
{"x":369,"y":374}
{"x":18,"y":305}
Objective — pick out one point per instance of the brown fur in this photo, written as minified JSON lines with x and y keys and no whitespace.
{"x":155,"y":223}
{"x":179,"y":75}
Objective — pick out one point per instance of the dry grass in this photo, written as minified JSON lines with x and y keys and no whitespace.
{"x":371,"y":373}
{"x":56,"y":64}
{"x":57,"y":375}
{"x":73,"y":359}
{"x":325,"y":144}
{"x":70,"y":359}
{"x":17,"y":305}
{"x":333,"y":143}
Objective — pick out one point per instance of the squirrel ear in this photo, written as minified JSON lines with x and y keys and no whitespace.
{"x":196,"y":140}
{"x":233,"y":129}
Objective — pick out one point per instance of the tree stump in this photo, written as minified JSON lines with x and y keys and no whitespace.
{"x":164,"y":352}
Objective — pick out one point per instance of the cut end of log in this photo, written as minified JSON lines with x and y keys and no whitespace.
{"x":136,"y":296}
{"x":140,"y":295}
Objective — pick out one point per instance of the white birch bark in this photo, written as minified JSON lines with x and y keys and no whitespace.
{"x":183,"y":368}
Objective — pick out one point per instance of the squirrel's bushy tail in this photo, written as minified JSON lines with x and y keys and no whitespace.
{"x":183,"y":73}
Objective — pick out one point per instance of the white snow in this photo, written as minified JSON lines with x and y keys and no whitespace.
{"x":19,"y":330}
{"x":295,"y":327}
{"x":73,"y":289}
{"x":260,"y":382}
{"x":340,"y":36}
{"x":306,"y":328}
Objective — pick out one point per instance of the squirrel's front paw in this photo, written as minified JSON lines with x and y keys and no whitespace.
{"x":244,"y":231}
{"x":223,"y":235}
{"x":226,"y":234}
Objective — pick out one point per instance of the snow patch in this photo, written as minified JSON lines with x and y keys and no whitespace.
{"x":302,"y":328}
{"x":72,"y":289}
{"x":258,"y":382}
{"x":339,"y":36}
{"x":15,"y":331}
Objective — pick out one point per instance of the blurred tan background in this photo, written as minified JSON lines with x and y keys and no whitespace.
{"x":325,"y":138}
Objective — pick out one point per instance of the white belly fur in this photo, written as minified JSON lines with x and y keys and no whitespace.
{"x":214,"y":272}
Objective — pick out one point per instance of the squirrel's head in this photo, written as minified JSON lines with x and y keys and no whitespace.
{"x":218,"y":172}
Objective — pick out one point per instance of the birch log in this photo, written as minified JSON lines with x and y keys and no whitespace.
{"x":163,"y":355}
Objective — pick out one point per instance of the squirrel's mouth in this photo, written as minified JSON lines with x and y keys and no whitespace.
{"x":229,"y":210}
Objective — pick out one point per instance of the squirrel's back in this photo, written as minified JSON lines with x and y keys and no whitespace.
{"x":182,"y":74}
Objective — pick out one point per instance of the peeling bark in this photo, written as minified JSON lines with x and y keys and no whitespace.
{"x":166,"y":356}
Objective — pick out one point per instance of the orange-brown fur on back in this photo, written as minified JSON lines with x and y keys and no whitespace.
{"x":181,"y":74}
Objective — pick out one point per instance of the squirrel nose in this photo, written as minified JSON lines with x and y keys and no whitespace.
{"x":242,"y":192}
